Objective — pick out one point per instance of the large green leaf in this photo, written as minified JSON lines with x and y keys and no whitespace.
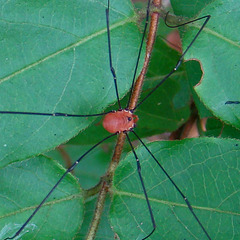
{"x":207,"y":172}
{"x":24,"y":185}
{"x":218,"y":49}
{"x":54,"y":58}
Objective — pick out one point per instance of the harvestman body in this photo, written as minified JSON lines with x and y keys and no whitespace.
{"x":120,"y":121}
{"x":124,"y":121}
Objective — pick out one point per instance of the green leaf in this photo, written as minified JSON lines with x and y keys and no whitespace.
{"x":207,"y":172}
{"x":189,"y":9}
{"x":24,"y":185}
{"x":216,"y":128}
{"x":171,"y":100}
{"x":218,"y":49}
{"x":55,"y":59}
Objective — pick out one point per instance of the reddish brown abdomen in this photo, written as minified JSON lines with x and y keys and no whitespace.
{"x":119,"y":121}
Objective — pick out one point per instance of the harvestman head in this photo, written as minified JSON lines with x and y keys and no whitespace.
{"x":123,"y":120}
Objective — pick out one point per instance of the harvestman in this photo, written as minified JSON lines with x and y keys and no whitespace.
{"x":122,"y":120}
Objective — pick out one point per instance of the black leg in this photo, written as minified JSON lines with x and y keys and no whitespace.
{"x":180,"y":59}
{"x":57,"y":114}
{"x":140,"y":50}
{"x":110,"y":56}
{"x":55,"y":186}
{"x":144,"y":188}
{"x":177,"y":188}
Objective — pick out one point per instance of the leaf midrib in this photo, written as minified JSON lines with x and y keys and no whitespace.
{"x":218,"y":35}
{"x":25,"y":209}
{"x":73,"y":45}
{"x":139,"y":196}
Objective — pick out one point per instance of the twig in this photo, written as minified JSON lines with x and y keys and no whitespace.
{"x":107,"y":180}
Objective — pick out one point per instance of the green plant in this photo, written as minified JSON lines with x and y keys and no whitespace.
{"x":54,"y":59}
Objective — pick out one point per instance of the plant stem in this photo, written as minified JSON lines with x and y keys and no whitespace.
{"x":150,"y":42}
{"x":107,"y":180}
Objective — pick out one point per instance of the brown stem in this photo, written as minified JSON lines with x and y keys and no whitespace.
{"x":98,"y":211}
{"x":65,"y":157}
{"x":107,"y":182}
{"x":150,"y":42}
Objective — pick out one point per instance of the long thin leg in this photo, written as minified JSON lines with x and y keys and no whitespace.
{"x":57,"y":114}
{"x":232,"y":102}
{"x":55,"y":186}
{"x":196,"y":36}
{"x":140,"y":51}
{"x":180,"y":59}
{"x":143,"y":187}
{"x":177,"y":188}
{"x":110,"y":56}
